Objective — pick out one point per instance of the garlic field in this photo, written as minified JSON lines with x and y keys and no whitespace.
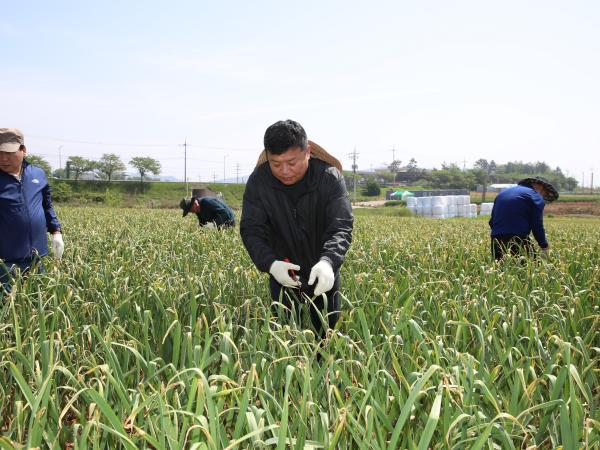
{"x":152,"y":333}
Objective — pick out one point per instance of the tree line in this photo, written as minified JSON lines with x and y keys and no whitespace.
{"x":108,"y":167}
{"x":482,"y":174}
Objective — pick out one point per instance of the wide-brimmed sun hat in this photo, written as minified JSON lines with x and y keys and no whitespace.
{"x":551,"y":192}
{"x":316,"y":151}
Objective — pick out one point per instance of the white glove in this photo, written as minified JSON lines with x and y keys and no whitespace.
{"x":58,"y":246}
{"x":324,"y":272}
{"x":210,"y":225}
{"x":280,"y":271}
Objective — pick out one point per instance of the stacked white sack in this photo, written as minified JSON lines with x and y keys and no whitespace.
{"x":486,"y":209}
{"x":472,"y":210}
{"x":438,"y":211}
{"x":424,"y":206}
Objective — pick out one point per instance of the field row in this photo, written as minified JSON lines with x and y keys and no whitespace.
{"x":152,"y":333}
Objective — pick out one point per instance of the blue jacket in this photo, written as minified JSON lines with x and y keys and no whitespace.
{"x":518,"y":211}
{"x":214,"y":210}
{"x":26,"y":214}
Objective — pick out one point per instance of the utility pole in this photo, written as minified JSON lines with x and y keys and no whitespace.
{"x":59,"y":157}
{"x":394,"y":168}
{"x":592,"y":182}
{"x":237,"y":173}
{"x":214,"y":177}
{"x":185,"y":180}
{"x":354,"y":157}
{"x":224,"y":157}
{"x":582,"y":181}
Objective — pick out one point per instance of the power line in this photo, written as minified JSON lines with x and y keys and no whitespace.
{"x":75,"y":141}
{"x":168,"y":158}
{"x":115,"y":144}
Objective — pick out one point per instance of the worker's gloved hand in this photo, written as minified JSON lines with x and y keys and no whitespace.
{"x":210,"y":225}
{"x":58,"y":246}
{"x":280,"y":271}
{"x":324,"y":272}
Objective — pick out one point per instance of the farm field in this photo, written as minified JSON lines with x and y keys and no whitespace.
{"x":152,"y":333}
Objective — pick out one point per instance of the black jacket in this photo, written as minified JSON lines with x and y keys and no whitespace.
{"x":318,"y":227}
{"x":214,"y":210}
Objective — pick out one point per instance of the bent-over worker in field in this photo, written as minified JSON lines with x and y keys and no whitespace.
{"x":297,"y":221}
{"x":26,"y":212}
{"x":211,"y":211}
{"x":517,"y":212}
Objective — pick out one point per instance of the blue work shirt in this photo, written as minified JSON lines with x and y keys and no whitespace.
{"x":214,"y":210}
{"x":518,"y":211}
{"x":26,"y":214}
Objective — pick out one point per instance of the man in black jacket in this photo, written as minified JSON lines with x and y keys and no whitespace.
{"x":297,"y":221}
{"x":211,"y":211}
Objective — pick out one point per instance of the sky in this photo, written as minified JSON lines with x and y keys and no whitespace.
{"x":438,"y":81}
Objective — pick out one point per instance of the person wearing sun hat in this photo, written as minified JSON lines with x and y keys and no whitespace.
{"x":210,"y":210}
{"x":517,"y":212}
{"x":297,"y":222}
{"x":26,"y":212}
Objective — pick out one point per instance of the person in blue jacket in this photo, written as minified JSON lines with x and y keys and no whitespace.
{"x":517,"y":212}
{"x":26,"y":211}
{"x":210,"y":211}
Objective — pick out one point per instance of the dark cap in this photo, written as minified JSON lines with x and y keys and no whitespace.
{"x":186,"y":205}
{"x":551,"y":192}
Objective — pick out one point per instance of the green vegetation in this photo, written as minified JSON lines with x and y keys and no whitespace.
{"x":133,"y":194}
{"x":145,"y":165}
{"x":578,"y":198}
{"x":392,"y":203}
{"x":78,"y":165}
{"x":110,"y":165}
{"x":396,"y":211}
{"x":360,"y":197}
{"x":483,"y":173}
{"x":372,"y":189}
{"x":490,"y":196}
{"x":163,"y":340}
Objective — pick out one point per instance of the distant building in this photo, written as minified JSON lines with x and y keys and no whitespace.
{"x":89,"y":176}
{"x":496,"y":187}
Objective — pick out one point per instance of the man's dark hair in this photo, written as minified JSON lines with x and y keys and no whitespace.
{"x":283,"y":135}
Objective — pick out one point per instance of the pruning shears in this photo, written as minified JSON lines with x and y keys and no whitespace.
{"x":291,"y":272}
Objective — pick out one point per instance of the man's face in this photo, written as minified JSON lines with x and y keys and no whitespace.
{"x":195,"y":206}
{"x":540,"y":189}
{"x":290,"y":166}
{"x":10,"y":162}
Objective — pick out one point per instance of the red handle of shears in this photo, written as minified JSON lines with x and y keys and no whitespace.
{"x":291,"y":272}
